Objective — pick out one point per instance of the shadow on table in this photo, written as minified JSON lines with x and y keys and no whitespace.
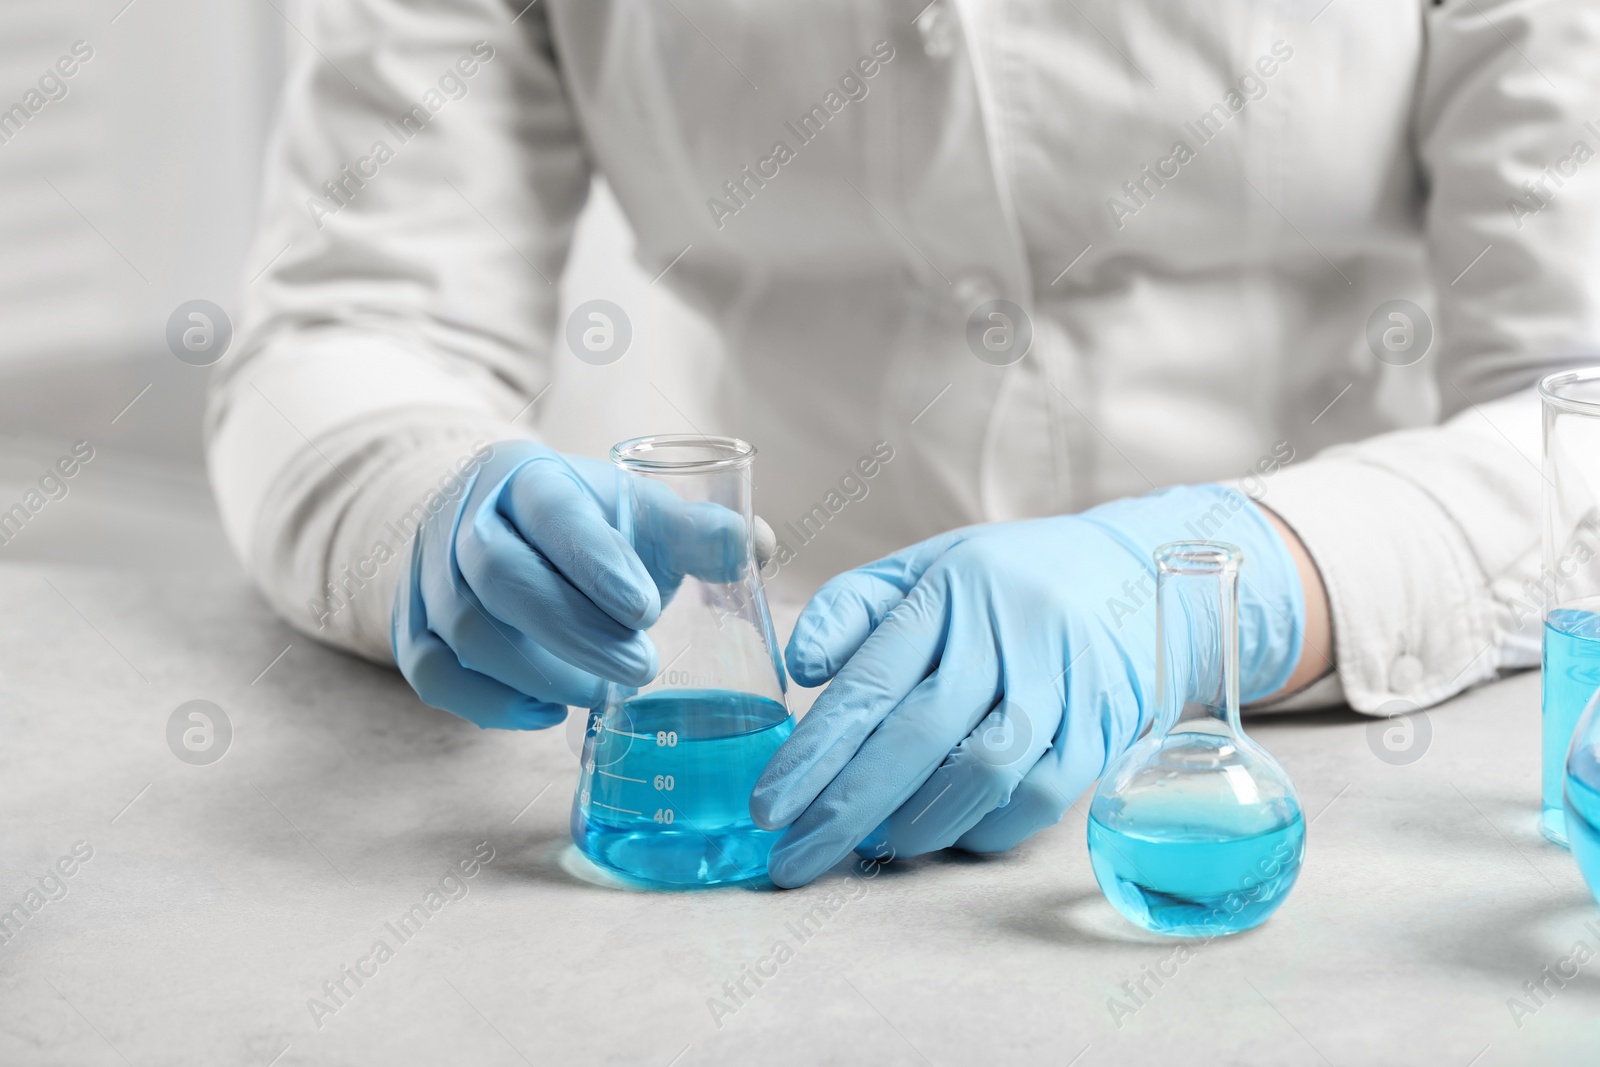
{"x":550,"y":858}
{"x":1340,"y":716}
{"x":1085,"y":918}
{"x":1558,"y":947}
{"x":1506,"y":820}
{"x":1065,"y":919}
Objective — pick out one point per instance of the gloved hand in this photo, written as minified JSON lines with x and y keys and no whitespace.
{"x":981,"y":680}
{"x":526,"y":598}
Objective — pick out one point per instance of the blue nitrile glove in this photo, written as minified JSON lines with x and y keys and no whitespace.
{"x":984,"y":678}
{"x":525,"y":598}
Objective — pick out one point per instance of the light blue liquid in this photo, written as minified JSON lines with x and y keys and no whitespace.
{"x":669,"y":799}
{"x":1571,"y":676}
{"x":1180,"y":876}
{"x":1583,"y":812}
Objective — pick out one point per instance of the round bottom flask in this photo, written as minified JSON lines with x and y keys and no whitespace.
{"x":1196,"y":831}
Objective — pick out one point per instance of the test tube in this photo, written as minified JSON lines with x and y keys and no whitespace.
{"x":1570,"y":579}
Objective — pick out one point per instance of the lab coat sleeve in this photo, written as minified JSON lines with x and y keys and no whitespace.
{"x":420,"y":194}
{"x":1428,"y":540}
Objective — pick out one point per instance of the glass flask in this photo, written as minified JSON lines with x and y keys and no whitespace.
{"x":1581,"y":795}
{"x":667,"y":769}
{"x":1569,"y":581}
{"x":1196,"y":831}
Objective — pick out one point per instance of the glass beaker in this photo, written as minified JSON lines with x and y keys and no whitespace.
{"x":667,"y":769}
{"x":1569,"y":580}
{"x":1581,"y":797}
{"x":1196,"y":831}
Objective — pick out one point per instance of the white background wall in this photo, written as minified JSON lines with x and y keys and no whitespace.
{"x":137,"y":192}
{"x":122,"y":200}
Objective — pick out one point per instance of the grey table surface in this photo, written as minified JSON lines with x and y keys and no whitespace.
{"x":219,"y":900}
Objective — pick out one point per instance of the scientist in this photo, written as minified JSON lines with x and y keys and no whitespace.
{"x":1096,"y":275}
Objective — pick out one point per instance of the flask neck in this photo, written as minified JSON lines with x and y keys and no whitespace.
{"x":678,"y":473}
{"x":1197,"y":633}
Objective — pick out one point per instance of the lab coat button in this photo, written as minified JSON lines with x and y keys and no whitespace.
{"x":969,"y":291}
{"x":1405,"y":673}
{"x":937,"y":26}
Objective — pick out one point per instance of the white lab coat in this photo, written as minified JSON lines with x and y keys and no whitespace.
{"x":1196,"y":314}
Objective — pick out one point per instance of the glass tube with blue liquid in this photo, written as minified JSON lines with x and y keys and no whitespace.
{"x":1570,"y":584}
